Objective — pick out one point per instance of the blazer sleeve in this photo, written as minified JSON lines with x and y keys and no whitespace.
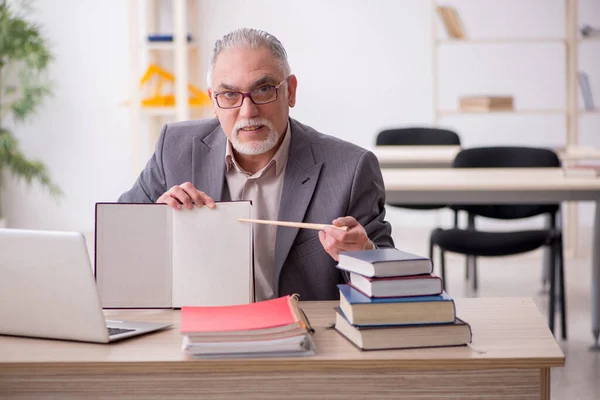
{"x":367,"y":201}
{"x":151,"y":183}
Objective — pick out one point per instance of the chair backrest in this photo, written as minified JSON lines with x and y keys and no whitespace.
{"x":507,"y":157}
{"x":417,"y":137}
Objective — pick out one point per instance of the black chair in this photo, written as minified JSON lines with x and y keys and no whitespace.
{"x":416,"y":136}
{"x":472,"y":242}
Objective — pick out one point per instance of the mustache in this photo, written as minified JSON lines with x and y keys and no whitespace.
{"x":251,"y":123}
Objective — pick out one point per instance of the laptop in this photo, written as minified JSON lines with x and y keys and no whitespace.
{"x":47,"y":290}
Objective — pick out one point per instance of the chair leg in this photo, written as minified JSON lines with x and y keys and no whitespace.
{"x":431,"y":248}
{"x":471,"y":260}
{"x":443,"y":268}
{"x":550,"y":224}
{"x":561,"y":281}
{"x":552,"y":296}
{"x":474,"y":263}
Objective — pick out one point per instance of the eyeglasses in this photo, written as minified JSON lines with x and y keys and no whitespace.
{"x":259,"y":96}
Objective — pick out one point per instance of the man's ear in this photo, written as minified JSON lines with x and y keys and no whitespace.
{"x":292,"y":84}
{"x":214,"y":102}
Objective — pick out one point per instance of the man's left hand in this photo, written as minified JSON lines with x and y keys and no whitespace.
{"x":335,"y":240}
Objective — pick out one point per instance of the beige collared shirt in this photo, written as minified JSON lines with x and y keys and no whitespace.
{"x":263,"y":188}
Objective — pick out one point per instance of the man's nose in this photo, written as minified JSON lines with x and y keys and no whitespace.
{"x":248,"y":109}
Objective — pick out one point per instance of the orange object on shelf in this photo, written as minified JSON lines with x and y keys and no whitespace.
{"x":197,"y":98}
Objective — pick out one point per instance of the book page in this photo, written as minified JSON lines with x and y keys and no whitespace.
{"x":133,"y":256}
{"x":212,"y":256}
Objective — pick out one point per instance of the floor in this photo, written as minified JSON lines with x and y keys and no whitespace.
{"x":521,"y":276}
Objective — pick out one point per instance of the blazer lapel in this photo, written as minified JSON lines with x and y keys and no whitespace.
{"x":208,"y":163}
{"x":301,"y":176}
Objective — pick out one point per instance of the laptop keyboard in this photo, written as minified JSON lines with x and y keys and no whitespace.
{"x":117,"y":331}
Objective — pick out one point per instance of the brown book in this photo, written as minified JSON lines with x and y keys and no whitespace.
{"x":443,"y":13}
{"x":486,"y":103}
{"x":455,"y":22}
{"x":451,"y":22}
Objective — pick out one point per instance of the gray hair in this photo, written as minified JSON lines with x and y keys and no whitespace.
{"x":250,"y":39}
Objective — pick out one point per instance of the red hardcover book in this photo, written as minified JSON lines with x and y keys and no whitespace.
{"x":397,"y":286}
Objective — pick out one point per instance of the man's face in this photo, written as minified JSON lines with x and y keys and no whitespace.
{"x":252,"y":129}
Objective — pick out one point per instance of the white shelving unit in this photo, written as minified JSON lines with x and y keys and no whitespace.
{"x":570,"y":41}
{"x":571,"y":112}
{"x":180,"y":57}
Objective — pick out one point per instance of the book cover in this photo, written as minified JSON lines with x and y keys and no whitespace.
{"x":385,"y":326}
{"x":454,"y":21}
{"x":586,"y":92}
{"x":164,"y":37}
{"x":382,"y":255}
{"x":384,"y":263}
{"x":244,"y":317}
{"x":364,"y":310}
{"x":457,"y":333}
{"x":354,"y":296}
{"x":397,"y":286}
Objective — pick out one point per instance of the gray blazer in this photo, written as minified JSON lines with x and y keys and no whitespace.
{"x":325,"y":178}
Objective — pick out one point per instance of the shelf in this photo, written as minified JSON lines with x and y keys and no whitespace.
{"x":586,"y":112}
{"x":500,"y":41}
{"x":167,"y":111}
{"x":166,"y":45}
{"x":595,"y":39}
{"x":517,"y":112}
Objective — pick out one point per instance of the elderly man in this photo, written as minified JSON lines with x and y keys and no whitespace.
{"x":254,"y":151}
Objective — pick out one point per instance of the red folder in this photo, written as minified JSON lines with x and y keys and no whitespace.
{"x":262,"y":315}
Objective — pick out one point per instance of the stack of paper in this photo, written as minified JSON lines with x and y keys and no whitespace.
{"x":275,"y":327}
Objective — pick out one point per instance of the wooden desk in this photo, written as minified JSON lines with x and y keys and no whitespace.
{"x":510,"y":358}
{"x":443,"y":156}
{"x":416,"y":156}
{"x":500,"y":186}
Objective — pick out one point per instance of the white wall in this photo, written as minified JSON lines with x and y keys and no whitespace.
{"x":361,"y":65}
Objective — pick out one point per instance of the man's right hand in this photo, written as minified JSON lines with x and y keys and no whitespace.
{"x":186,"y":195}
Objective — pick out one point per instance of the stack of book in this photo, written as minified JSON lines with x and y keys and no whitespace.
{"x":276,"y":327}
{"x":394,"y":301}
{"x":486,"y":103}
{"x":582,"y":171}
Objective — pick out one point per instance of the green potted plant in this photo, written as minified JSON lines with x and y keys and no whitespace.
{"x":24,"y":59}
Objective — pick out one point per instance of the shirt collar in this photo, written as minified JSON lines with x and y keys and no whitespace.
{"x":279,"y":158}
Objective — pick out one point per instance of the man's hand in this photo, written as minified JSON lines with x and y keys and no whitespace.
{"x":335,"y":240}
{"x":186,"y":195}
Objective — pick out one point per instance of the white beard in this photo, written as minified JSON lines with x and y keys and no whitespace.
{"x":255,"y":147}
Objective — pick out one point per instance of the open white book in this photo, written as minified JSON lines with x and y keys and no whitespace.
{"x":152,"y":256}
